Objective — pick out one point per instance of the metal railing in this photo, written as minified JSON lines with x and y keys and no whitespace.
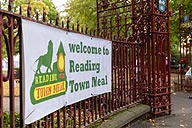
{"x":126,"y":78}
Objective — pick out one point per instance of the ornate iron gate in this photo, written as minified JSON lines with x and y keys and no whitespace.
{"x":160,"y":39}
{"x":140,"y":35}
{"x":144,"y":23}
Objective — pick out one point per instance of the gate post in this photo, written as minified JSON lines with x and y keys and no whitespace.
{"x":160,"y":49}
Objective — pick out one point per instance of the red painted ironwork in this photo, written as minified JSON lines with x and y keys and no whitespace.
{"x":140,"y":37}
{"x":141,"y":23}
{"x":160,"y":32}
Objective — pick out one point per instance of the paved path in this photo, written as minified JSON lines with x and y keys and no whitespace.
{"x":181,"y":116}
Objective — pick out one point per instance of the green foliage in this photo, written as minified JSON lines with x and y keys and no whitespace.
{"x":7,"y":120}
{"x":174,"y":29}
{"x":83,"y":12}
{"x":52,"y":12}
{"x":175,"y":23}
{"x":36,"y":6}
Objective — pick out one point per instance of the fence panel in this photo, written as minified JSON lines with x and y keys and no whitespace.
{"x":125,"y":83}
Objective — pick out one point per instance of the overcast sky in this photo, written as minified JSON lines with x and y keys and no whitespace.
{"x":59,"y":3}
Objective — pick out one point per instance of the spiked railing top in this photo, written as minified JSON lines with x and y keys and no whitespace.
{"x":43,"y":18}
{"x":108,"y":23}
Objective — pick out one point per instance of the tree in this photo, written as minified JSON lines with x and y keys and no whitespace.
{"x":83,"y":12}
{"x":36,"y":6}
{"x":175,"y":23}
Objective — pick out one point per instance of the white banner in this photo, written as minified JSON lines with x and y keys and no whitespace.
{"x":61,"y":68}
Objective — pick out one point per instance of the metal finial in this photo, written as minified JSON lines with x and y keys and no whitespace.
{"x":20,"y":10}
{"x":57,"y":20}
{"x":37,"y":15}
{"x":10,"y":5}
{"x":44,"y":15}
{"x":78,"y":26}
{"x":68,"y":21}
{"x":86,"y":29}
{"x":29,"y":10}
{"x":82,"y":31}
{"x":62,"y":24}
{"x":50,"y":20}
